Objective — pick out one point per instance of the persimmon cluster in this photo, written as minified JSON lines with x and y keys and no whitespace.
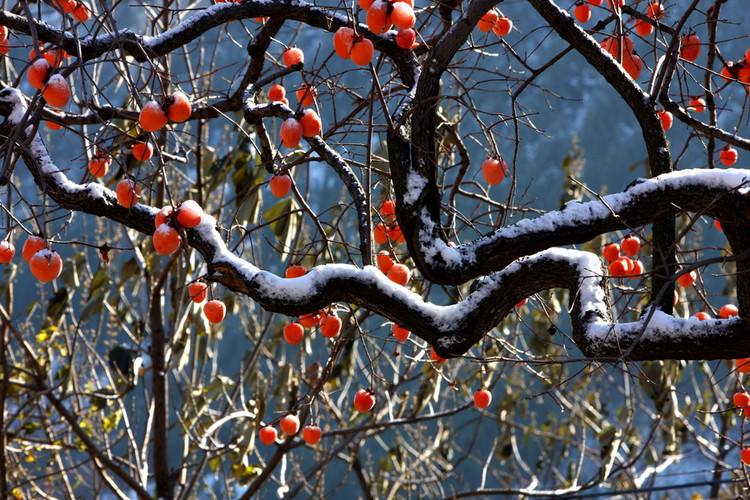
{"x":620,"y":258}
{"x":176,"y":108}
{"x":78,"y":10}
{"x":44,"y":263}
{"x":55,"y":89}
{"x":495,"y":21}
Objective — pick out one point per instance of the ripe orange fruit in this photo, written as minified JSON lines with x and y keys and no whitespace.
{"x":582,"y":13}
{"x":612,"y":45}
{"x":364,"y":4}
{"x":687,"y":279}
{"x":665,"y":117}
{"x":743,"y":365}
{"x":643,"y":28}
{"x":632,"y":64}
{"x":728,"y":156}
{"x":493,"y":170}
{"x":311,"y":123}
{"x":436,"y":357}
{"x":31,"y":246}
{"x":399,"y":274}
{"x":152,"y":117}
{"x":99,"y":166}
{"x":743,"y":73}
{"x":388,"y":210}
{"x":503,"y":26}
{"x":611,"y":252}
{"x":46,"y":265}
{"x":306,"y":95}
{"x":400,"y":333}
{"x":179,"y":107}
{"x":38,"y":72}
{"x":717,"y":225}
{"x":691,"y":47}
{"x":67,"y":6}
{"x":128,"y":193}
{"x":294,"y":333}
{"x":384,"y":261}
{"x":396,"y":235}
{"x":741,"y":399}
{"x":311,"y":434}
{"x":7,"y":251}
{"x":406,"y":38}
{"x":57,"y":91}
{"x":364,"y":400}
{"x":727,"y":71}
{"x":280,"y":185}
{"x":189,"y":214}
{"x":697,"y":105}
{"x":402,"y":15}
{"x":142,"y":151}
{"x":745,"y":456}
{"x":378,"y":19}
{"x":631,"y":245}
{"x":163,"y":216}
{"x":289,"y":424}
{"x":291,"y":133}
{"x":702,"y":316}
{"x":621,"y":267}
{"x":81,"y":13}
{"x":267,"y":435}
{"x":310,"y":320}
{"x":487,"y":22}
{"x":638,"y":269}
{"x":728,"y":311}
{"x":380,"y":234}
{"x":276,"y":92}
{"x":343,"y":40}
{"x":214,"y":311}
{"x":52,"y":125}
{"x":330,"y":327}
{"x":198,"y":291}
{"x":655,"y":10}
{"x":293,"y":56}
{"x":166,"y":240}
{"x":362,"y":52}
{"x":295,"y":271}
{"x":482,"y":399}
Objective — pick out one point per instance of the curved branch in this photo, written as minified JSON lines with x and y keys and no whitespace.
{"x":142,"y":47}
{"x":703,"y":128}
{"x":254,"y":112}
{"x":451,"y":329}
{"x":414,"y":160}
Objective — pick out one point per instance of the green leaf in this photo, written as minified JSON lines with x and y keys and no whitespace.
{"x":93,"y":306}
{"x":284,"y":222}
{"x":56,"y":308}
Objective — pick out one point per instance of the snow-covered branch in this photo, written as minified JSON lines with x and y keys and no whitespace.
{"x":142,"y":47}
{"x":451,"y":329}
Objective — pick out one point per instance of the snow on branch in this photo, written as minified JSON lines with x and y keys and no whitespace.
{"x":452,"y":329}
{"x":254,"y":112}
{"x":720,"y":194}
{"x":142,"y":47}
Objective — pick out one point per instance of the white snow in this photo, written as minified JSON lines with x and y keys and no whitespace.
{"x":415,"y":184}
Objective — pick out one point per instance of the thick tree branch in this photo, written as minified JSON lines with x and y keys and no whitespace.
{"x":143,"y":47}
{"x":254,"y":112}
{"x":451,"y":329}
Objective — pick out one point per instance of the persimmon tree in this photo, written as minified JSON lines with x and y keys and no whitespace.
{"x":286,"y":249}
